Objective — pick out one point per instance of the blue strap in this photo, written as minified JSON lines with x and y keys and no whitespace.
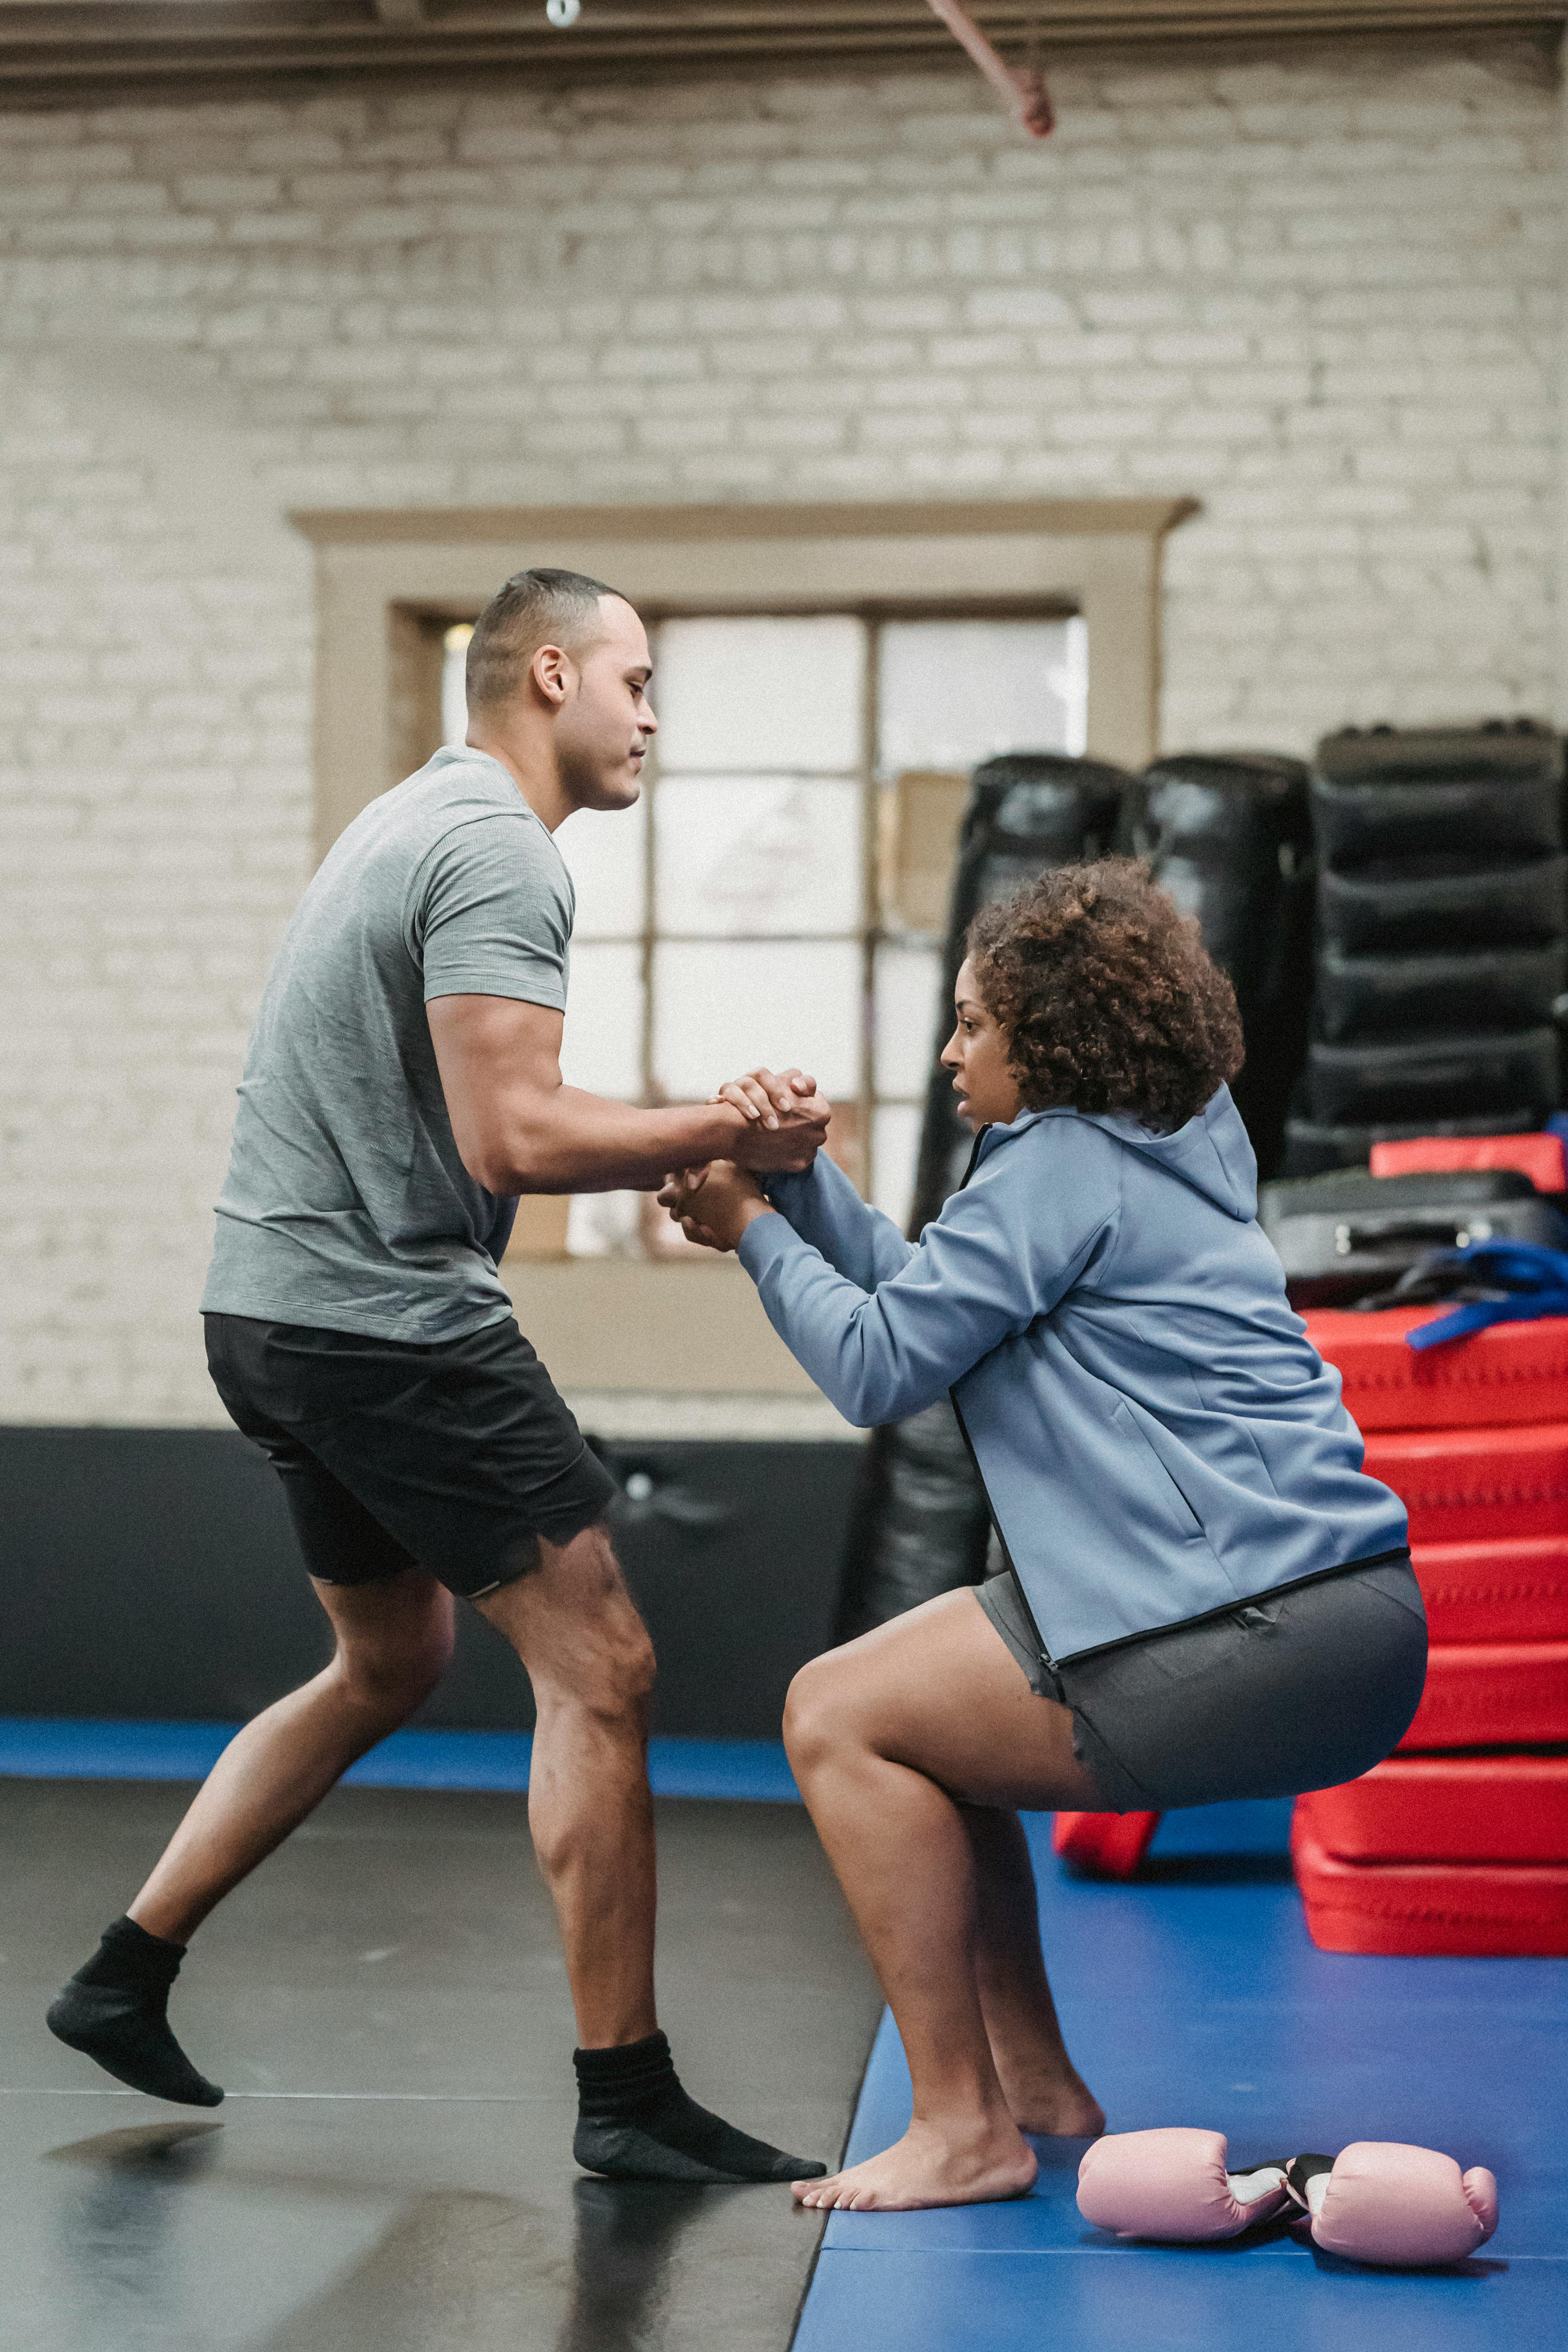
{"x":1532,"y":1280}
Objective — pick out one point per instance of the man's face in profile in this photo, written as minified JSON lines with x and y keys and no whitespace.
{"x":603,"y":731}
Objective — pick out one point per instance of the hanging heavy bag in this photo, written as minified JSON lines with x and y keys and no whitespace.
{"x":1443,"y":900}
{"x":1229,"y":836}
{"x":920,"y":1524}
{"x":1410,"y":1077}
{"x":1382,"y":793}
{"x":1316,"y":1147}
{"x":1362,"y":997}
{"x":1027,"y":810}
{"x":1349,"y":1235}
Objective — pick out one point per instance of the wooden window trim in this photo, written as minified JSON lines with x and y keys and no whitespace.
{"x":385,"y":578}
{"x":388,"y":582}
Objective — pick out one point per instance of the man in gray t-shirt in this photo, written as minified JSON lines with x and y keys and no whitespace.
{"x":403,"y":1086}
{"x":348,"y":1205}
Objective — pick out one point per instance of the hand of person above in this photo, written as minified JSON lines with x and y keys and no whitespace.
{"x":714,"y":1205}
{"x":787,"y":1118}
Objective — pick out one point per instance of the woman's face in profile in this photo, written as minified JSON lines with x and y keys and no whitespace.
{"x":977,"y":1054}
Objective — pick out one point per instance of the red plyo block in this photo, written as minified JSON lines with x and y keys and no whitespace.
{"x":1465,"y":1485}
{"x":1539,"y":1157}
{"x":1107,"y":1845}
{"x":1508,"y":1373}
{"x":1506,"y":1592}
{"x":1492,"y":1695}
{"x":1467,"y":1809}
{"x":1465,"y":1910}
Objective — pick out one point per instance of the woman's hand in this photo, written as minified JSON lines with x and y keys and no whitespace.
{"x":714,"y":1205}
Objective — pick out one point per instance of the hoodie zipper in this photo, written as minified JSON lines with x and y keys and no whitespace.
{"x":1049,"y":1663}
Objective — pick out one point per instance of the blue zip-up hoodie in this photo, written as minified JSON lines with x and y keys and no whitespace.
{"x":1157,"y":1435}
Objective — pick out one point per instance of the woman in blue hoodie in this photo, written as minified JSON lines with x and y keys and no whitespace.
{"x":1204,"y":1595}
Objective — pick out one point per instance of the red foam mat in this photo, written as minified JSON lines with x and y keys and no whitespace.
{"x":1492,"y":1695}
{"x":1108,"y":1845}
{"x":1465,"y":1910}
{"x":1467,"y":1485}
{"x":1539,"y":1157}
{"x":1496,"y":1591}
{"x":1510,"y":1373}
{"x":1469,"y":1808}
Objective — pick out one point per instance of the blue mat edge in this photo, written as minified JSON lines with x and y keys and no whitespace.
{"x":56,"y":1747}
{"x":756,"y":1771}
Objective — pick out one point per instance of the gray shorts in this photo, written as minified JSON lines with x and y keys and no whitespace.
{"x":1296,"y":1690}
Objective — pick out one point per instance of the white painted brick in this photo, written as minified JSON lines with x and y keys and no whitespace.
{"x":1321,"y":293}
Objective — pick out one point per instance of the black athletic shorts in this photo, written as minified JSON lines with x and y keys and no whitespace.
{"x":457,"y":1456}
{"x":1294,"y":1690}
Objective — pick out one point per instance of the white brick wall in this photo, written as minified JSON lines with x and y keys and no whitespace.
{"x":1323,"y":296}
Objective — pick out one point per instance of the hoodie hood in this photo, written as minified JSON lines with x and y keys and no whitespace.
{"x":1212,"y":1153}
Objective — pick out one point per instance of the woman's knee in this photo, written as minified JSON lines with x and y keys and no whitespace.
{"x":821,"y":1717}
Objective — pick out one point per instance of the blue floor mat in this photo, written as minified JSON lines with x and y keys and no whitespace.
{"x":1194,"y":1996}
{"x":65,"y":1748}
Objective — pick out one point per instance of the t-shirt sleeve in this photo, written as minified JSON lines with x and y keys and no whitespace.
{"x":490,"y":913}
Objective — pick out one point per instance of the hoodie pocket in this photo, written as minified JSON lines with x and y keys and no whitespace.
{"x":1164,"y":1495}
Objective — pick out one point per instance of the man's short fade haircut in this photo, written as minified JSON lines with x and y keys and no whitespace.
{"x":531,"y":609}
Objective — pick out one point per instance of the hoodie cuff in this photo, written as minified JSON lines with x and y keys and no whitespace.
{"x":765,"y":1241}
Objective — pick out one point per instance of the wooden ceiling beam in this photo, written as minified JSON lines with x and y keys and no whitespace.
{"x":61,"y":49}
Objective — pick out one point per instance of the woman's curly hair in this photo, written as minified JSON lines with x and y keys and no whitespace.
{"x":1107,"y":995}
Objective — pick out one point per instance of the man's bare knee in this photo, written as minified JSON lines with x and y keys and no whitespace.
{"x":577,"y":1628}
{"x":613,"y":1674}
{"x":390,"y":1665}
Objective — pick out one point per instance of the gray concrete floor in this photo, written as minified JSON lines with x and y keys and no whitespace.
{"x":386,"y":2005}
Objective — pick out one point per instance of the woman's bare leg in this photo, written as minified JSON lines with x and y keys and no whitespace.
{"x":891,"y":1738}
{"x":1044,"y":2091}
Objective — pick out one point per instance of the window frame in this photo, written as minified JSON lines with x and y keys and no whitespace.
{"x":389,"y":581}
{"x":872,"y":929}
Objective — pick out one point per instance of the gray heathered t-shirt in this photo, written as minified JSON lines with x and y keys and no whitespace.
{"x":346,"y":1206}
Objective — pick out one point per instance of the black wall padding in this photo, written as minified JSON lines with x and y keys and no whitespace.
{"x":1369,"y":996}
{"x":1230,"y":838}
{"x":1423,"y":1076}
{"x":921,"y":1525}
{"x":154,"y":1572}
{"x":1314,"y":1147}
{"x":1443,"y":900}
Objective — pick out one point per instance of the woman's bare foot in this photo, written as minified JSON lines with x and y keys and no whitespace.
{"x":1052,"y":2102}
{"x":930,"y":2166}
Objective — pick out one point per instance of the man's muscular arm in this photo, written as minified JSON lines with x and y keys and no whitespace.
{"x":518,"y":1129}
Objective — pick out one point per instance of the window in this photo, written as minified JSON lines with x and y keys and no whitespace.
{"x":779,"y":894}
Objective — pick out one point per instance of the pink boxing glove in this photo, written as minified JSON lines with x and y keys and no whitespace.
{"x":1381,"y":2202}
{"x":1174,"y":2184}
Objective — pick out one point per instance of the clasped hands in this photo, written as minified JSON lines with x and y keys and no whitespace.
{"x":786,"y":1123}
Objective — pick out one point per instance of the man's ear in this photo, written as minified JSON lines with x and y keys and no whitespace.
{"x":553,"y":671}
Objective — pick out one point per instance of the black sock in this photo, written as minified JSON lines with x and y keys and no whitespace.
{"x":635,"y":2123}
{"x":115,"y":2010}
